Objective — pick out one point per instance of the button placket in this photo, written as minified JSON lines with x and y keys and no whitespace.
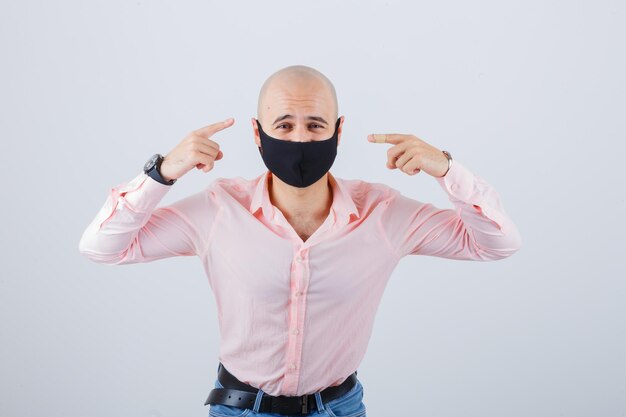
{"x":301,"y":259}
{"x":297,"y":310}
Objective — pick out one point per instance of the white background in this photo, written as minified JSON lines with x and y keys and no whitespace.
{"x":529,"y":95}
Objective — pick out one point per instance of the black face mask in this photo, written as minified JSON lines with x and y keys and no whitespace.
{"x":299,"y":164}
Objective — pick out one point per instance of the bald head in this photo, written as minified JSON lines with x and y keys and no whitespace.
{"x":297,"y":88}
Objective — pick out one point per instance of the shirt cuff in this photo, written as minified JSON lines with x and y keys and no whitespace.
{"x":139,"y":195}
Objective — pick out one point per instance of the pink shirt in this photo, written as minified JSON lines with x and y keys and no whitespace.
{"x":295,"y":317}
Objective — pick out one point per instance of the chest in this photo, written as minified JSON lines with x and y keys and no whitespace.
{"x":305,"y":227}
{"x":253,"y":264}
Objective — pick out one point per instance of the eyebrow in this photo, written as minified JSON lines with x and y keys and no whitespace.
{"x":289,"y":116}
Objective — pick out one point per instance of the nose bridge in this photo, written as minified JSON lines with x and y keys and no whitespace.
{"x":301,"y":133}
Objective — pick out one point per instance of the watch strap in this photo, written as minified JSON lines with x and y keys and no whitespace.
{"x":155,"y":172}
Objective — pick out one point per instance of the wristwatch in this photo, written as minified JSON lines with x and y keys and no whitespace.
{"x":152,"y":169}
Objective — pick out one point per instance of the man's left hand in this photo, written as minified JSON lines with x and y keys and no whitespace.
{"x":411,"y":154}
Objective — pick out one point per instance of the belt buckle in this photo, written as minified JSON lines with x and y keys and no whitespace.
{"x":305,"y":409}
{"x":289,"y":404}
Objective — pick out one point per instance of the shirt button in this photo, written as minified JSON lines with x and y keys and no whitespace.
{"x":292,"y":366}
{"x":296,"y":331}
{"x":299,"y":259}
{"x":453,"y":186}
{"x":298,"y":293}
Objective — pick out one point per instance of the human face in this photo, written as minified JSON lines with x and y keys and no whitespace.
{"x":298,"y":112}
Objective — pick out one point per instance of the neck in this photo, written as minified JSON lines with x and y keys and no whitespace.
{"x":312,"y":202}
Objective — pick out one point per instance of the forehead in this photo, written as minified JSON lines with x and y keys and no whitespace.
{"x":299,"y":99}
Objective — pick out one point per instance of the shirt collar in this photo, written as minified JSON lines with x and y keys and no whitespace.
{"x":342,"y":206}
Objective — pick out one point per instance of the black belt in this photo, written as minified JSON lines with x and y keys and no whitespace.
{"x":241,"y":395}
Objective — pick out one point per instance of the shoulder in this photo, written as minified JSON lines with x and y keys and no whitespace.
{"x":232,"y":189}
{"x":365,"y":193}
{"x":228,"y":185}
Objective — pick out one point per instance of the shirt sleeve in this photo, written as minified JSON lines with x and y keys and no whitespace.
{"x":477,"y":228}
{"x":129,"y":228}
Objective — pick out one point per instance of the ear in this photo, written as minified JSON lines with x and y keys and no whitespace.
{"x":255,"y":130}
{"x":340,"y":129}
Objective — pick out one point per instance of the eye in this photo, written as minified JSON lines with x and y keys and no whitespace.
{"x":314,"y":125}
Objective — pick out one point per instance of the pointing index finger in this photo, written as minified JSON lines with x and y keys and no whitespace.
{"x":386,"y":138}
{"x":379,"y":138}
{"x":208,"y":131}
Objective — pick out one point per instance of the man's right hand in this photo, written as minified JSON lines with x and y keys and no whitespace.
{"x":195,"y":150}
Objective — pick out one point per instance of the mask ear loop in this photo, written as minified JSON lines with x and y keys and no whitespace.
{"x":260,"y":130}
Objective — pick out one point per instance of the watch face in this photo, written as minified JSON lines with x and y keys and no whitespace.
{"x":151,"y":162}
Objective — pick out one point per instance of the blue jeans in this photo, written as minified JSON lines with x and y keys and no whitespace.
{"x":349,"y":404}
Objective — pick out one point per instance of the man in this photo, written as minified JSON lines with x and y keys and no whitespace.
{"x":297,"y":258}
